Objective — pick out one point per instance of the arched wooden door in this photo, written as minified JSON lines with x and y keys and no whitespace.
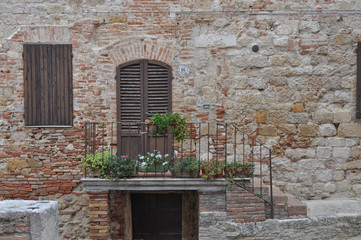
{"x":143,"y":89}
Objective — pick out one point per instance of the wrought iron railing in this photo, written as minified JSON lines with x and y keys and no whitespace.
{"x":218,"y":141}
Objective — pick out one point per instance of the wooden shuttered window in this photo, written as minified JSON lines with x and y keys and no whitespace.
{"x":358,"y":85}
{"x":144,"y":88}
{"x":48,"y":84}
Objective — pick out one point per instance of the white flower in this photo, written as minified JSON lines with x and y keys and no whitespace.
{"x":165,"y":163}
{"x":143,"y":164}
{"x":141,"y":157}
{"x":166,"y":155}
{"x":158,"y":156}
{"x":152,"y":154}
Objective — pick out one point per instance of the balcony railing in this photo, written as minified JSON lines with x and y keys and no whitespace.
{"x":219,"y":142}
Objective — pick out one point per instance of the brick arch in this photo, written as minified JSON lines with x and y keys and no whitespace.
{"x":142,"y":49}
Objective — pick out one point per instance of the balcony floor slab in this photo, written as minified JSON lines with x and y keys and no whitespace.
{"x":156,"y":184}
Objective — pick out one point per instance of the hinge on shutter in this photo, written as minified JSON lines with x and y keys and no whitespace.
{"x":22,"y":54}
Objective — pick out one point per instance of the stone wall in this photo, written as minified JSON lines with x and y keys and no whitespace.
{"x":325,"y":228}
{"x":296,"y":94}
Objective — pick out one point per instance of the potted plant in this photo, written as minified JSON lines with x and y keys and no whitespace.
{"x":153,"y":162}
{"x":212,"y":169}
{"x":93,"y":164}
{"x":240,"y":169}
{"x":116,"y":167}
{"x":187,"y":167}
{"x":169,"y":121}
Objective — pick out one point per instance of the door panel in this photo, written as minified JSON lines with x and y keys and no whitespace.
{"x":143,"y":89}
{"x":157,"y":216}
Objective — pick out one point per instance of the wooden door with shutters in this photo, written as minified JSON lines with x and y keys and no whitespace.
{"x":143,"y":89}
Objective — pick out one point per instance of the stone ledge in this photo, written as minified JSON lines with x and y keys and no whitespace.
{"x":156,"y":184}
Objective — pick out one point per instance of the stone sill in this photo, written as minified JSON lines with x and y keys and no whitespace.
{"x":157,"y":184}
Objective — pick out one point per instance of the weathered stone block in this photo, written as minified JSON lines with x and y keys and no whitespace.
{"x":32,"y":163}
{"x":335,"y":142}
{"x":288,"y":128}
{"x":338,"y":175}
{"x":277,"y":117}
{"x":43,"y":217}
{"x":261,"y":116}
{"x":340,"y":39}
{"x":279,"y":60}
{"x":297,"y":108}
{"x":324,"y":152}
{"x":342,"y":117}
{"x":350,"y":142}
{"x":307,"y":130}
{"x":354,"y":165}
{"x":357,"y":189}
{"x":268,"y":130}
{"x":281,"y":41}
{"x":297,"y":118}
{"x":342,"y":153}
{"x":355,"y":152}
{"x":349,"y":130}
{"x":16,"y":164}
{"x":322,"y":116}
{"x":327,"y":130}
{"x":330,"y":187}
{"x":215,"y":40}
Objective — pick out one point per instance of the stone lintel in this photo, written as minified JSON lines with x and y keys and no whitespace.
{"x":156,"y":184}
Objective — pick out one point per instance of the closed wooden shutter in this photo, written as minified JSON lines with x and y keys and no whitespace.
{"x":130,"y":101}
{"x":144,"y":88}
{"x":48,"y":84}
{"x":158,"y":89}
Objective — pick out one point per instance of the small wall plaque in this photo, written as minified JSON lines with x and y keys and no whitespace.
{"x":183,"y":69}
{"x":206,"y":106}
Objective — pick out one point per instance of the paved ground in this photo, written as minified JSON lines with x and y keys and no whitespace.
{"x":337,"y":208}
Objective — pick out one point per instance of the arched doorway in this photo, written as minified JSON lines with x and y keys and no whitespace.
{"x":143,"y":89}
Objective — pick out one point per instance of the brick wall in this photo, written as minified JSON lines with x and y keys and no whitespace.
{"x":99,"y":215}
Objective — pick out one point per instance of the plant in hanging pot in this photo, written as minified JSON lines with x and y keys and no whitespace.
{"x":153,"y":162}
{"x":169,"y":122}
{"x":93,"y":163}
{"x":187,"y":167}
{"x":212,"y":169}
{"x":116,"y":167}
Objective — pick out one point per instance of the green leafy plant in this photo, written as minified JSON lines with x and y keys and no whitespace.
{"x":116,"y":167}
{"x":238,"y":170}
{"x":153,"y":162}
{"x":170,"y":122}
{"x":212,"y":169}
{"x":93,"y":163}
{"x":186,"y":166}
